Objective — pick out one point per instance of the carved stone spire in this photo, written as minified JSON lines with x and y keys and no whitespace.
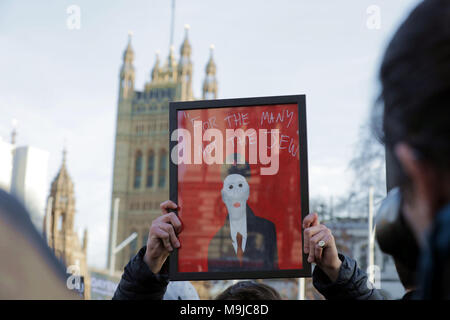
{"x":210,"y":83}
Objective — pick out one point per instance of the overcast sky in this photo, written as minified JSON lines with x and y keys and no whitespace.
{"x":62,"y":84}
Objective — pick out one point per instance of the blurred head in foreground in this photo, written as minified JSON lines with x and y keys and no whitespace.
{"x":28,"y":268}
{"x":414,"y":123}
{"x":413,"y":116}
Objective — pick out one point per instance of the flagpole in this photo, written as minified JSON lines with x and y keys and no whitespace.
{"x":371,"y":242}
{"x":172,"y":24}
{"x":113,"y":237}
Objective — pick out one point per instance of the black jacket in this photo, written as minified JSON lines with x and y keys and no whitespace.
{"x":139,"y":283}
{"x":434,"y":267}
{"x":350,"y":284}
{"x":260,"y":249}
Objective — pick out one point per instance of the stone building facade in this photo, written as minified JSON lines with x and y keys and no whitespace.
{"x":141,"y":156}
{"x":60,"y":233}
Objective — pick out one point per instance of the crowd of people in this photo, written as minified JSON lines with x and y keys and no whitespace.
{"x":411,"y":118}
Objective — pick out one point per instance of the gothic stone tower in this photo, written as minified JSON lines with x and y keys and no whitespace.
{"x":141,"y":159}
{"x":60,"y":230}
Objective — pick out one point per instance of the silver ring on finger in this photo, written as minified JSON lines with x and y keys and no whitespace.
{"x":321,"y":243}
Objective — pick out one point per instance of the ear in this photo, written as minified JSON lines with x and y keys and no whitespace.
{"x":416,"y":170}
{"x":422,"y":176}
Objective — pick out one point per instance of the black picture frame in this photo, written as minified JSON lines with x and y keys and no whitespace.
{"x":300,"y":100}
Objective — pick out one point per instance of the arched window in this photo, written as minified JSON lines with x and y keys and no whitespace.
{"x":162,"y":169}
{"x":150,"y":169}
{"x":138,"y":170}
{"x":60,"y":222}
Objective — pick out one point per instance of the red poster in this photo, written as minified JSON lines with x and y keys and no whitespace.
{"x":244,"y":213}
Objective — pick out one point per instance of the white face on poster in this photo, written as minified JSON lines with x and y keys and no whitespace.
{"x":235,"y":194}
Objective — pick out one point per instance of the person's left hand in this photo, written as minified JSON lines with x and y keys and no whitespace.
{"x":325,"y":257}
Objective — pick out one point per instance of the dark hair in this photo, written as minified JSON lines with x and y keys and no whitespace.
{"x":249,"y":290}
{"x":415,"y":80}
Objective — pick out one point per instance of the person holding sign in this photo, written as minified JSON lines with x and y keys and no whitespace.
{"x":146,"y":275}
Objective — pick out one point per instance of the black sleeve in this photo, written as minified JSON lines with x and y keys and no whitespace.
{"x":352,"y":283}
{"x":139,"y":283}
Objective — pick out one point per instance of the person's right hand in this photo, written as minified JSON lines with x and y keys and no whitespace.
{"x":162,"y":237}
{"x":325,"y":257}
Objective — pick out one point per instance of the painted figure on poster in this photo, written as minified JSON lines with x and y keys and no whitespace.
{"x":245,"y":241}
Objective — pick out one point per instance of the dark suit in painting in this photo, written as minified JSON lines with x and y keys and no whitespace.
{"x":260,"y":250}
